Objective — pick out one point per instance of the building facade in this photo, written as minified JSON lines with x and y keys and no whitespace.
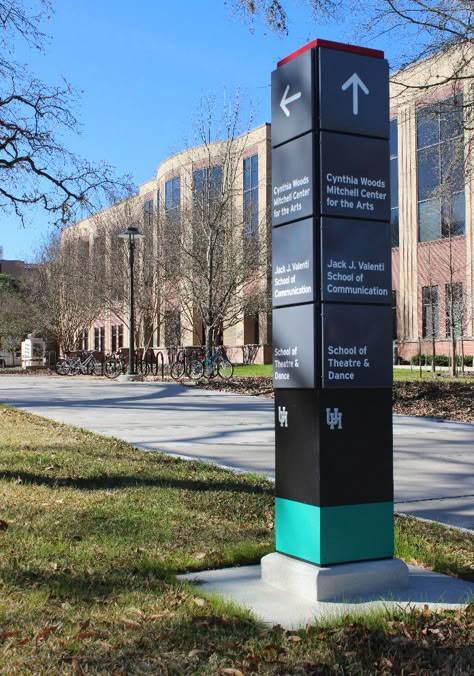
{"x":432,"y":206}
{"x":235,"y":176}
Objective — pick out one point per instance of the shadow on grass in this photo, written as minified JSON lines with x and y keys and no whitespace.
{"x":77,"y":585}
{"x":117,"y":481}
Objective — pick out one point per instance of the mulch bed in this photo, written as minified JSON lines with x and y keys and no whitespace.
{"x":436,"y":399}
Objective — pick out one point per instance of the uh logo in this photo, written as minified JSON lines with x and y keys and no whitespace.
{"x":283,"y":416}
{"x":334,"y":418}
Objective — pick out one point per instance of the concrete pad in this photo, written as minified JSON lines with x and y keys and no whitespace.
{"x":330,"y":583}
{"x":244,"y":586}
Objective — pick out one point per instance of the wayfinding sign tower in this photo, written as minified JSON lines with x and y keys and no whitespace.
{"x":332,"y":333}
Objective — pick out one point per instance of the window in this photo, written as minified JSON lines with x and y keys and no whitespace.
{"x":207,"y":184}
{"x":250,"y":196}
{"x":394,"y":315}
{"x":440,"y":151}
{"x":99,"y":338}
{"x":394,"y":182}
{"x":429,"y":301}
{"x":454,"y":309}
{"x":173,"y":198}
{"x":116,"y":337}
{"x":82,"y":342}
{"x":148,"y":215}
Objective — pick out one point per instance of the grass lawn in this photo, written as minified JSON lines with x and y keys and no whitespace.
{"x":428,"y":376}
{"x":252,"y":370}
{"x":92,"y":533}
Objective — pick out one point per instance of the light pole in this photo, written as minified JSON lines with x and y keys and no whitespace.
{"x":131,"y":234}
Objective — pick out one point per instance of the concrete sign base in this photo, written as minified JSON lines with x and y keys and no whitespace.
{"x":329,"y":583}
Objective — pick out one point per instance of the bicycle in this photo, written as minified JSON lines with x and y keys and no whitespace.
{"x":114,"y":365}
{"x":182,"y":366}
{"x":210,"y":367}
{"x":85,"y":364}
{"x":62,"y":366}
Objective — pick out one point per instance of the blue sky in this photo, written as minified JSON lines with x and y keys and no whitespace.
{"x":142,"y":68}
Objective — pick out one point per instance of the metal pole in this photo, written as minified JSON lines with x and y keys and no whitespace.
{"x":131,"y":349}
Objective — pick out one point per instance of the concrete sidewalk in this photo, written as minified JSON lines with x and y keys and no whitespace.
{"x":433,"y":460}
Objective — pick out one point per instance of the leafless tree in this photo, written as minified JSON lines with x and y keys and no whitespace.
{"x":216,"y":243}
{"x":36,"y":168}
{"x":420,"y":29}
{"x":60,"y":292}
{"x":109,"y":269}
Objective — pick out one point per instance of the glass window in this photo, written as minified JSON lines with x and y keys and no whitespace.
{"x":428,"y":172}
{"x":173,"y":198}
{"x":394,"y":315}
{"x":427,"y":126}
{"x":148,"y":214}
{"x":207,"y":183}
{"x":429,"y":220}
{"x":451,"y":117}
{"x":452,"y":215}
{"x":440,"y":144}
{"x":250,"y":196}
{"x":430,"y":317}
{"x":394,"y":183}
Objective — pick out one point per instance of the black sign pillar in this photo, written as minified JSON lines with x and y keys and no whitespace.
{"x":332,"y":335}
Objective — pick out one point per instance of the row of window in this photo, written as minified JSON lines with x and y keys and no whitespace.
{"x":116,"y":338}
{"x":440,"y":171}
{"x":455,"y":310}
{"x":207,"y":183}
{"x":456,"y":315}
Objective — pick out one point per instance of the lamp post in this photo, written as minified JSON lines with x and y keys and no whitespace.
{"x":131,"y":234}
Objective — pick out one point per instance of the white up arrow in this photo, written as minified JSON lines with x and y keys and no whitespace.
{"x":285,"y":100}
{"x":355,"y":82}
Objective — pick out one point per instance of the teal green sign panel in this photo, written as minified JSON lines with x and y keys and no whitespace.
{"x":330,"y":535}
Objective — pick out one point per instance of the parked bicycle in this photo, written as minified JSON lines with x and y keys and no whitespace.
{"x":73,"y":365}
{"x":210,"y":367}
{"x":115,"y":364}
{"x":181,"y":367}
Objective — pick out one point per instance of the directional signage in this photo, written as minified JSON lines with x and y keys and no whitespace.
{"x":357,"y":346}
{"x":354,"y":177}
{"x":331,"y":296}
{"x":355,"y":261}
{"x":292,"y":263}
{"x":293,"y":347}
{"x":354,"y":96}
{"x":292,"y":180}
{"x":292,"y":99}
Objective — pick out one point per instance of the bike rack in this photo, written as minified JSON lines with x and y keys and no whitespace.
{"x":160,"y":358}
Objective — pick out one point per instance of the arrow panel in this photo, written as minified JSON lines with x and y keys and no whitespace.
{"x":292,"y":99}
{"x":353,"y":93}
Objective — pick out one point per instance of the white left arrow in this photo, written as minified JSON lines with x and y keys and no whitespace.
{"x":355,"y":82}
{"x":285,"y":100}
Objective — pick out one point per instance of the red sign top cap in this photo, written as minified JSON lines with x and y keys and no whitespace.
{"x":365,"y":51}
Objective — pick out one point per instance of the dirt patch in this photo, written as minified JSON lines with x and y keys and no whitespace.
{"x":438,"y":399}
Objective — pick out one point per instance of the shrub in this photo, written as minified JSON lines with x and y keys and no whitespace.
{"x":440,"y":360}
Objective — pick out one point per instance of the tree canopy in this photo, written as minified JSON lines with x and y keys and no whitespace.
{"x":437,"y":24}
{"x":36,"y":168}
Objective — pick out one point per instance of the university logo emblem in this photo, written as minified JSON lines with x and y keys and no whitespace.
{"x":283,"y":416}
{"x":334,"y":419}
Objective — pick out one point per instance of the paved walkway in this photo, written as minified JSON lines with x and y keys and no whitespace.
{"x":433,"y":460}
